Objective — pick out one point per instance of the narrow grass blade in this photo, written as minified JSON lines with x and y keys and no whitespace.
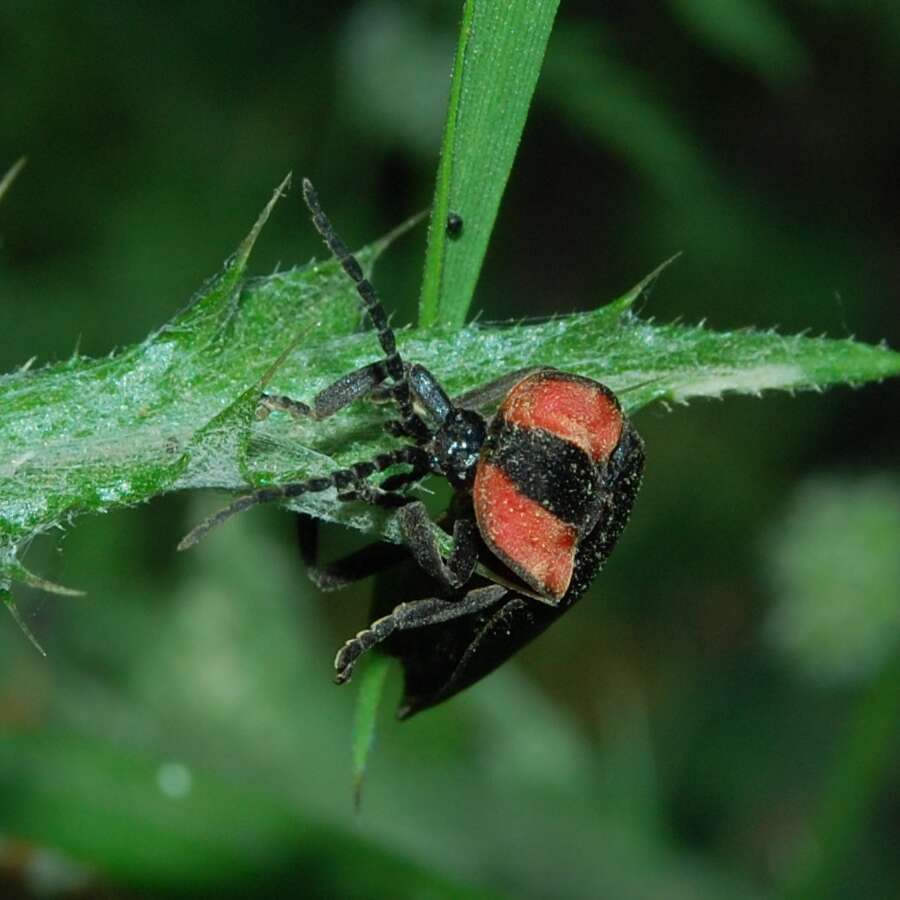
{"x":499,"y":55}
{"x":371,"y":690}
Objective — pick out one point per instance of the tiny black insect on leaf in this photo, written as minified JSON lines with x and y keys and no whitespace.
{"x":454,"y":225}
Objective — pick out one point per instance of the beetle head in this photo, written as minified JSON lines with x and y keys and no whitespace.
{"x":457,"y":444}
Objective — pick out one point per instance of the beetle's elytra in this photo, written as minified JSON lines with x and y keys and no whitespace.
{"x":538,"y":485}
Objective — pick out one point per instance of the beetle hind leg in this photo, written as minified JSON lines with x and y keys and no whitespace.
{"x":406,"y":616}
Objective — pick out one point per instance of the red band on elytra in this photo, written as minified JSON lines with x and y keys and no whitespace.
{"x":574,"y":410}
{"x":536,"y":545}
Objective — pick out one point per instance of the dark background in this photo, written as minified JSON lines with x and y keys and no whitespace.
{"x":718,"y":718}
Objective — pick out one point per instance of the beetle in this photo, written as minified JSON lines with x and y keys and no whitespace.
{"x":543,"y":487}
{"x":454,"y":225}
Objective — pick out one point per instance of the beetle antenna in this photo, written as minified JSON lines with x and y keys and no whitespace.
{"x":368,"y":295}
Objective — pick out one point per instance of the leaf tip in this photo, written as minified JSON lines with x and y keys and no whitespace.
{"x":627,"y":300}
{"x":188,"y":541}
{"x":359,"y":780}
{"x":17,"y":617}
{"x":371,"y":690}
{"x":243,"y":253}
{"x":20,"y":573}
{"x":11,"y":174}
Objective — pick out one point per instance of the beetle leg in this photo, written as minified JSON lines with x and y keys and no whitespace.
{"x":416,"y":614}
{"x":401,"y":479}
{"x":269,"y":403}
{"x":350,"y":484}
{"x":413,"y":429}
{"x":374,"y":496}
{"x":355,"y":566}
{"x":368,"y":560}
{"x":418,"y":534}
{"x":427,"y":395}
{"x":352,"y":386}
{"x":307,"y":538}
{"x":427,"y":391}
{"x":367,"y":381}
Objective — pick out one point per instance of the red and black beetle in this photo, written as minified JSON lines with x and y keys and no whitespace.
{"x":543,"y":488}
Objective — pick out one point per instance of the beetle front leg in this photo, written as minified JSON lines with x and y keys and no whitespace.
{"x":418,"y":534}
{"x":416,"y":614}
{"x":428,"y":396}
{"x":353,"y":386}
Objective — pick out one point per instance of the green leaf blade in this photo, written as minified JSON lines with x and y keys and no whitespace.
{"x":90,"y":436}
{"x":499,"y":56}
{"x":94,"y":435}
{"x":372,"y":679}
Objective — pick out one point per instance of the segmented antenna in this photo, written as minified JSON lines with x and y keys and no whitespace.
{"x":368,"y":295}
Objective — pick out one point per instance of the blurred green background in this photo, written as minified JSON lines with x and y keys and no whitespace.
{"x":720,"y":717}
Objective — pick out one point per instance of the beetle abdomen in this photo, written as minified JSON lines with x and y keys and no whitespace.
{"x":538,"y":483}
